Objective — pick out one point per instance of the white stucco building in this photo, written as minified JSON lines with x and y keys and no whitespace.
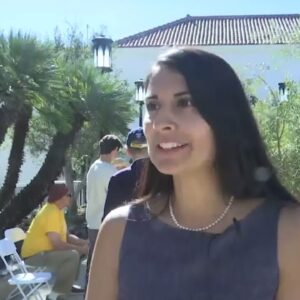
{"x":253,"y":44}
{"x":248,"y":43}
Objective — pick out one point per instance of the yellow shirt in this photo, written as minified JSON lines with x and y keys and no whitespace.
{"x":49,"y":219}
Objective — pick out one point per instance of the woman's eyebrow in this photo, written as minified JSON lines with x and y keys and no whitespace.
{"x":182,"y":93}
{"x":151,"y":97}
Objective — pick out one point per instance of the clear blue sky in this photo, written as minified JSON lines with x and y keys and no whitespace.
{"x":120,"y":18}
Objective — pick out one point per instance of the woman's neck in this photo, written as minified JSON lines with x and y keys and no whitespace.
{"x":198,"y":197}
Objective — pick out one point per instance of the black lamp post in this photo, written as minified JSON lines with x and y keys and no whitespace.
{"x":253,"y":99}
{"x":139,"y":98}
{"x":102,"y":53}
{"x":282,"y":91}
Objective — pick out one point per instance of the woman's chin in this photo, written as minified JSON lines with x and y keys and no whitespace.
{"x":168,"y":169}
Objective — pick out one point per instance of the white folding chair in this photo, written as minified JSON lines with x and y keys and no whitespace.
{"x":27,"y":283}
{"x":17,"y":234}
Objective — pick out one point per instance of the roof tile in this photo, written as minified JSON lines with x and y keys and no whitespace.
{"x":218,"y":30}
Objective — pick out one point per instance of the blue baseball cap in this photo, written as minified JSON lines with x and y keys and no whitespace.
{"x":136,"y":139}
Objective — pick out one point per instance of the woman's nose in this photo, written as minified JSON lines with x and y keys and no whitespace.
{"x":164,"y":121}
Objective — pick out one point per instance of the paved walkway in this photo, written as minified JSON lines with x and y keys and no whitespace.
{"x":45,"y":291}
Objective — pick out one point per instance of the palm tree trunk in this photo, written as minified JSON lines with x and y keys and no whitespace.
{"x":33,"y":194}
{"x":16,"y":156}
{"x":68,"y":172}
{"x":6,"y":120}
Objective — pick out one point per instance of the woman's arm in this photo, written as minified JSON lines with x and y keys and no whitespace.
{"x":103,"y":278}
{"x":289,"y":254}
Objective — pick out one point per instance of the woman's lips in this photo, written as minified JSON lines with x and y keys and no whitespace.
{"x":171,"y":147}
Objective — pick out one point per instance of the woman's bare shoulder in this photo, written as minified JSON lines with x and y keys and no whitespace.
{"x":289,"y":225}
{"x":290,"y":217}
{"x":116,"y":219}
{"x":103,"y":282}
{"x":288,"y":252}
{"x":111,"y":235}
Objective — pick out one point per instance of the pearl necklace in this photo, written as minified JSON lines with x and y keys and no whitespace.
{"x":220,"y":218}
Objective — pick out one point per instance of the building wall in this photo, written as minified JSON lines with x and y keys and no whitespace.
{"x":273,"y":62}
{"x":134,"y":63}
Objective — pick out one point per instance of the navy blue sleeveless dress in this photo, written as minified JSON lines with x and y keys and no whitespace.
{"x":161,"y":262}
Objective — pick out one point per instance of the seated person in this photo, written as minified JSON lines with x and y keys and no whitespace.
{"x":49,"y":244}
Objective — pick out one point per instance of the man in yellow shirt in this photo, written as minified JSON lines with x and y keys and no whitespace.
{"x":49,"y":244}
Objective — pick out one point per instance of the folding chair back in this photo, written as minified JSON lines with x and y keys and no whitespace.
{"x":7,"y":247}
{"x":15,"y":234}
{"x":26,"y":283}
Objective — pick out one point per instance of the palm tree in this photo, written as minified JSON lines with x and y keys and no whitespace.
{"x":15,"y":159}
{"x":105,"y":103}
{"x":7,"y":105}
{"x":33,"y":194}
{"x":72,"y":100}
{"x":29,"y":64}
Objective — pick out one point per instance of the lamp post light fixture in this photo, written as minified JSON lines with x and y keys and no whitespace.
{"x":282,"y":91}
{"x":253,"y":100}
{"x":139,"y":98}
{"x":102,"y":47}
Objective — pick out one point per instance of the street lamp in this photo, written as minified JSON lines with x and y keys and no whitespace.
{"x":253,"y":100}
{"x":282,"y":91}
{"x":102,"y":53}
{"x":139,"y":98}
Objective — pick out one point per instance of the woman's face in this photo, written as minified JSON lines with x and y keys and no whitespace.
{"x":179,"y":139}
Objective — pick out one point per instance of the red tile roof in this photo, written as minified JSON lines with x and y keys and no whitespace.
{"x":218,"y":30}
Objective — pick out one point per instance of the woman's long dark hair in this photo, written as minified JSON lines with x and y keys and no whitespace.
{"x":241,"y":161}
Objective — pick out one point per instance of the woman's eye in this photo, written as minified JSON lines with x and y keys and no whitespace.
{"x":151,"y":106}
{"x":184,"y":102}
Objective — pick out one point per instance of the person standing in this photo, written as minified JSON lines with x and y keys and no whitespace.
{"x":98,"y":178}
{"x":123,"y":185}
{"x":212,"y":220}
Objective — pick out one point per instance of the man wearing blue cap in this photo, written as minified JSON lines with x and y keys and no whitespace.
{"x":122,"y":186}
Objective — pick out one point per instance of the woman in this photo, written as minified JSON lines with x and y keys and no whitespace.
{"x":213,"y":221}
